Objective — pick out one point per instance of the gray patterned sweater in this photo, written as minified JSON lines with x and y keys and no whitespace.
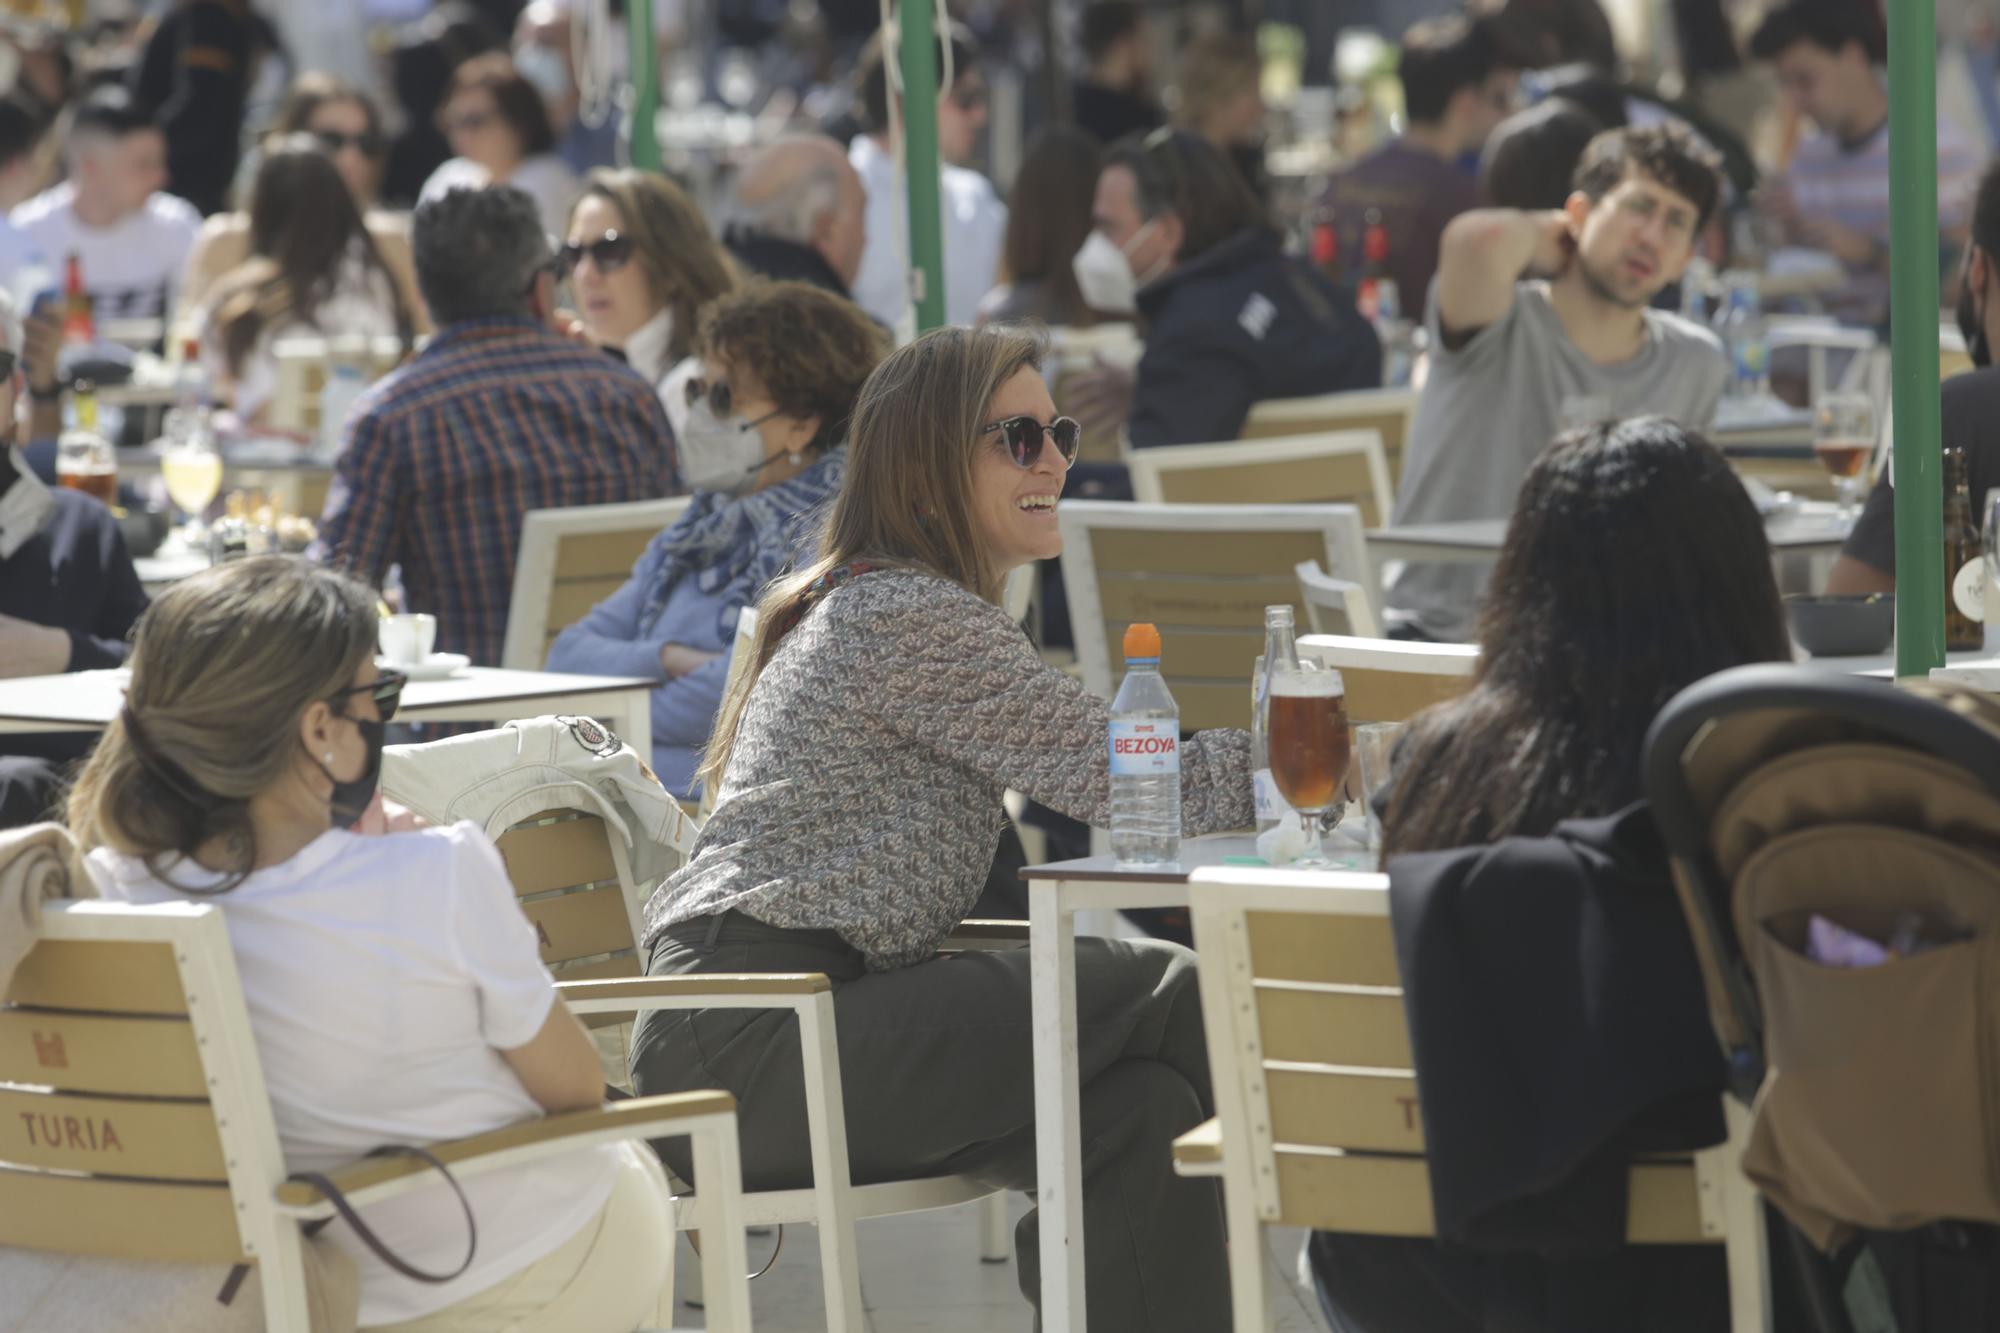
{"x":863,"y":794}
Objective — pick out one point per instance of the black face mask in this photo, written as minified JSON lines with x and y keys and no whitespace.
{"x":350,"y":799}
{"x":1972,"y":323}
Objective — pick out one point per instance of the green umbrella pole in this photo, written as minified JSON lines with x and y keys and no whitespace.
{"x":643,"y":150}
{"x":1913,"y":315}
{"x":920,"y":159}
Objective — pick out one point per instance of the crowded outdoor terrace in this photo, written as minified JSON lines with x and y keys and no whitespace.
{"x":1163,"y":666}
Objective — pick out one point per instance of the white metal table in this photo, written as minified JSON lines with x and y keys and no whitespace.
{"x":1056,"y":892}
{"x":88,"y":700}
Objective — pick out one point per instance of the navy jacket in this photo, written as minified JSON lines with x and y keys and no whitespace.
{"x":75,"y":575}
{"x":1242,"y":323}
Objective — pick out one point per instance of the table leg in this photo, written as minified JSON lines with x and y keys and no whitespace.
{"x":1058,"y":1117}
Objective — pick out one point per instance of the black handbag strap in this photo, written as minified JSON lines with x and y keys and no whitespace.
{"x":363,"y":1232}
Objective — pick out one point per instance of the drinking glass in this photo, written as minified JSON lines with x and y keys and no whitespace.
{"x":192,"y":469}
{"x":85,"y":462}
{"x":1374,"y":754}
{"x":1989,"y":546}
{"x":1843,"y":440}
{"x":1309,"y":748}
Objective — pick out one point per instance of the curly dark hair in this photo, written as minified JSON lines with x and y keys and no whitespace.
{"x":1667,"y":153}
{"x":812,"y":350}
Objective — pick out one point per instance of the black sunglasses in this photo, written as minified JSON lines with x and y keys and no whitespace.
{"x":721,"y":400}
{"x":367,"y":143}
{"x":1024,"y":437}
{"x":610,"y":252}
{"x":386,"y":690}
{"x":8,"y":360}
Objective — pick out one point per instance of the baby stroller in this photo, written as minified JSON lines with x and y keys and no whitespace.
{"x":1836,"y":846}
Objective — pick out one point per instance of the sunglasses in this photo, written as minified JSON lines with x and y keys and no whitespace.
{"x":468,"y":122}
{"x":610,"y":252}
{"x":386,"y":690}
{"x":1024,"y":437}
{"x":367,"y":143}
{"x":721,"y":400}
{"x":969,"y":99}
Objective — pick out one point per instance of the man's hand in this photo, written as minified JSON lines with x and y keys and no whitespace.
{"x":1776,"y":202}
{"x":1555,"y":244}
{"x":568,"y":324}
{"x":677,"y":659}
{"x":1101,"y":398}
{"x":41,"y":344}
{"x":28,"y":649}
{"x":1853,"y":248}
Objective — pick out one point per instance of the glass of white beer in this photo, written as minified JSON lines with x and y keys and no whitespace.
{"x":1309,"y":748}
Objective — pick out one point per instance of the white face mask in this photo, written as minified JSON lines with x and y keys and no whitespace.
{"x":724,"y":456}
{"x":545,"y":68}
{"x":1104,"y":273}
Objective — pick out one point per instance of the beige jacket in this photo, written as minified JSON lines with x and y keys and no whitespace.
{"x":36,"y":863}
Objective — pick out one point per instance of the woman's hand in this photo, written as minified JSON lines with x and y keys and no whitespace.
{"x":677,"y":659}
{"x":385,"y":816}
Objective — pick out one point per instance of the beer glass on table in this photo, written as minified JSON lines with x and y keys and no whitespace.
{"x":1843,"y":441}
{"x":1309,"y":748}
{"x":85,"y":462}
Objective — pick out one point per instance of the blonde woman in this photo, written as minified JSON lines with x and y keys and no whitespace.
{"x":394,"y":987}
{"x":641,"y":264}
{"x":859,"y":766}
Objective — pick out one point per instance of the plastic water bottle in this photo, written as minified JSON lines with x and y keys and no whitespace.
{"x":344,"y":384}
{"x":1280,"y":653}
{"x":1145,"y":758}
{"x":1743,"y":334}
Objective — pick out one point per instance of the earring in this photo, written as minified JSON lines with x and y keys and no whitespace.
{"x":796,"y":457}
{"x":328,"y":756}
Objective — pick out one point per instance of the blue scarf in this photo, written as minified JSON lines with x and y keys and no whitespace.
{"x":732,"y":545}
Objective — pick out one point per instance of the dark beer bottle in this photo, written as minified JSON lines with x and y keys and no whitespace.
{"x":1964,"y":572}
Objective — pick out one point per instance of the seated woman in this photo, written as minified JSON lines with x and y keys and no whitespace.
{"x":1047,"y":223}
{"x":1605,"y":603}
{"x":348,"y":125}
{"x":781,"y":366}
{"x":641,"y":265}
{"x":860,"y":763}
{"x":394,"y":987}
{"x":499,"y":130}
{"x":313,"y":269}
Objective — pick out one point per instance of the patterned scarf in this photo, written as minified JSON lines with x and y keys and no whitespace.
{"x":732,"y":545}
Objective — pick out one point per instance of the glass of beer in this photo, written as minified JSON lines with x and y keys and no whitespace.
{"x":192,"y":469}
{"x":1843,"y":441}
{"x":85,"y":462}
{"x":1309,"y":748}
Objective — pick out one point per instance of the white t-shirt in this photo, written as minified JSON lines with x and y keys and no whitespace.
{"x":545,"y":178}
{"x":975,"y":227}
{"x":130,"y":267}
{"x":384,"y":975}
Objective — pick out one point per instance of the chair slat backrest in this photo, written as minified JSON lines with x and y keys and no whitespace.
{"x":133,"y":1120}
{"x":569,"y":561}
{"x":1330,"y":467}
{"x":1388,"y":680}
{"x":1203,"y":574}
{"x":1335,"y":606}
{"x":574,"y":883}
{"x":1387,"y":412}
{"x":302,"y":363}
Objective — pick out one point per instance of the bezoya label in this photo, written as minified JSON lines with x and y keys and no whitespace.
{"x":1146,"y":747}
{"x":1968,"y":589}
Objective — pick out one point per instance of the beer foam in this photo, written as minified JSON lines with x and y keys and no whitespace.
{"x":1308,"y":685}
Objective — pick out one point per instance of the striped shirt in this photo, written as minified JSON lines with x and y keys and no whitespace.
{"x":1850,"y":186}
{"x":443,"y":457}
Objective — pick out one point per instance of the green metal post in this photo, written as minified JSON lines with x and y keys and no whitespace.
{"x":1913,"y":317}
{"x":643,"y":151}
{"x":920,"y":159}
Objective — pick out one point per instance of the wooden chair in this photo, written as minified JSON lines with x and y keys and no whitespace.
{"x":302,"y":367}
{"x":1203,"y":574}
{"x":1388,"y":680}
{"x":1318,"y":1120}
{"x":1387,"y":412}
{"x":1335,"y":606}
{"x":569,"y":561}
{"x":574,"y":884}
{"x":136,"y":1124}
{"x":1332,"y":467}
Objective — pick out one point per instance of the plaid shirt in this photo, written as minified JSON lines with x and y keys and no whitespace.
{"x":442,"y":458}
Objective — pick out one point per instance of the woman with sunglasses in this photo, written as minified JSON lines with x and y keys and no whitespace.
{"x":641,"y":264}
{"x":860,"y":762}
{"x":394,"y":988}
{"x":348,"y":125}
{"x":313,"y":269}
{"x":763,"y":452}
{"x":500,"y":134}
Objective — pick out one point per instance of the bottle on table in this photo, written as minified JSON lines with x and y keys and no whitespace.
{"x":1145,"y":758}
{"x":1743,"y":334}
{"x":1280,"y":654}
{"x":1376,"y":282}
{"x":84,"y":458}
{"x":1964,"y":565}
{"x":79,"y":323}
{"x":1325,"y":242}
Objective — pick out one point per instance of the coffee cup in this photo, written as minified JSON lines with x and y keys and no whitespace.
{"x":406,"y":640}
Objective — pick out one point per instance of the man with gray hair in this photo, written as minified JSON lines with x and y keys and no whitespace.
{"x":500,"y":414}
{"x":797,"y":213}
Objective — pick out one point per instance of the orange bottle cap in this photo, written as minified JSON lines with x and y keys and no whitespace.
{"x":1142,"y":640}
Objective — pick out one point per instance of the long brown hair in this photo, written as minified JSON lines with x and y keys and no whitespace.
{"x":906,"y":500}
{"x":223,"y":666}
{"x":1051,"y":219}
{"x":685,"y":269}
{"x":304,"y":224}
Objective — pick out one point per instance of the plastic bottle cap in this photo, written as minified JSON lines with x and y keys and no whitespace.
{"x":1142,"y":640}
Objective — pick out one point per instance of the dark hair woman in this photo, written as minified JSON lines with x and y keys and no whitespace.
{"x":313,"y":268}
{"x":1048,"y":220}
{"x":500,"y":133}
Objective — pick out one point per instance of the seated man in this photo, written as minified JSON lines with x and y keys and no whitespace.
{"x":1834,"y":194}
{"x":1967,"y":407}
{"x":797,"y":213}
{"x":68,"y":597}
{"x":1539,"y":321}
{"x":1230,"y":318}
{"x":500,"y":414}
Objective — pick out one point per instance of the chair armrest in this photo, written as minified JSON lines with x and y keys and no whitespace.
{"x":373,"y":1179}
{"x":1199,"y":1151}
{"x":711,"y":990}
{"x":980,"y":933}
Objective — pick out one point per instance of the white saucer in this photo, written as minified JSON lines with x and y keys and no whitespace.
{"x":438,"y":666}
